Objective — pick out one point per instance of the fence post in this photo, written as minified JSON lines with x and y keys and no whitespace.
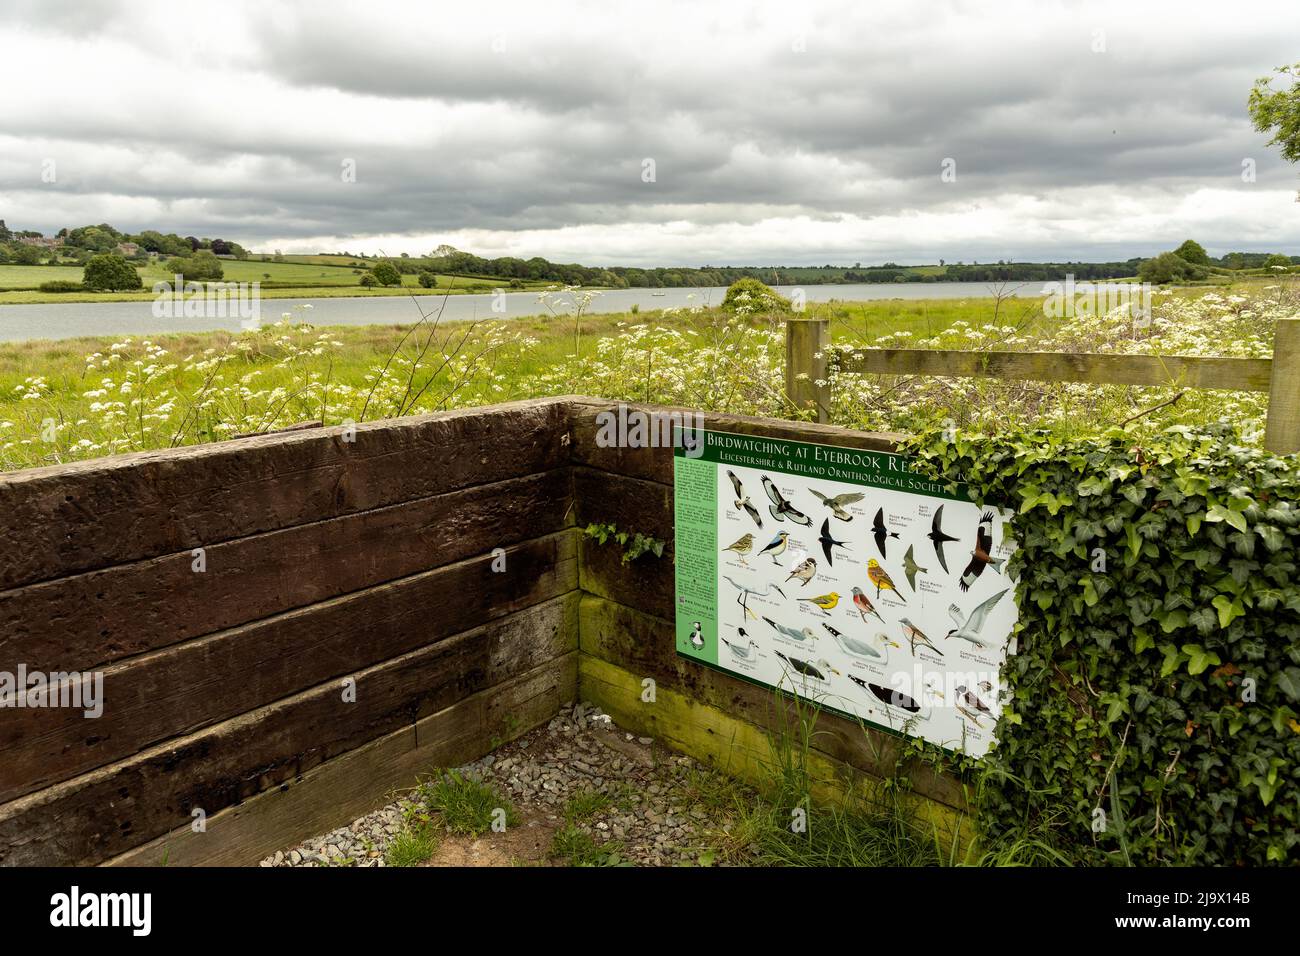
{"x":1282,"y":429}
{"x":805,"y":340}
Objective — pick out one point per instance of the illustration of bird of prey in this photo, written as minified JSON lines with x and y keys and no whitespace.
{"x":741,"y":546}
{"x":803,"y":571}
{"x":856,"y":648}
{"x":804,"y":633}
{"x":742,"y":499}
{"x":886,"y":695}
{"x":780,"y":508}
{"x":982,"y":553}
{"x":881,"y":579}
{"x":745,"y":591}
{"x":776,"y":546}
{"x":824,"y":601}
{"x":968,"y":628}
{"x":910,"y":567}
{"x":814,"y":669}
{"x":829,"y":542}
{"x":837,"y":503}
{"x":917,"y":636}
{"x":938,"y":536}
{"x":881,"y":533}
{"x":864,"y":605}
{"x":741,"y":652}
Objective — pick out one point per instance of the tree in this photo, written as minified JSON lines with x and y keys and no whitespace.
{"x":1193,"y":252}
{"x":428,"y":279}
{"x":369,"y":281}
{"x":1278,"y":111}
{"x":202,"y":266}
{"x":25,"y":255}
{"x":109,"y":272}
{"x":1168,"y":267}
{"x":386,"y":273}
{"x":1277,"y":259}
{"x":750,"y":295}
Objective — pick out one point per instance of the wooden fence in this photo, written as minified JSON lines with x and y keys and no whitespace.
{"x":810,"y":358}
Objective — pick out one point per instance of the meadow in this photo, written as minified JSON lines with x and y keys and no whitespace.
{"x":80,"y":398}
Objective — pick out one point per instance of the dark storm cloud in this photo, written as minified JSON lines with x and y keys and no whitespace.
{"x":536,"y":118}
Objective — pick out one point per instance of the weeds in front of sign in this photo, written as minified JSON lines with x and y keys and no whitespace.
{"x":416,"y":844}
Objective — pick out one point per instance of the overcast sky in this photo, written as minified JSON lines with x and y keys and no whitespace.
{"x":805,"y":132}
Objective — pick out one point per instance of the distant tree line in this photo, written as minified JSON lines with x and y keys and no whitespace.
{"x":81,"y":243}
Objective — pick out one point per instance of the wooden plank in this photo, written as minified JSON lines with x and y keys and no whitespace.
{"x":107,"y":811}
{"x":807,"y":354}
{"x":633,"y":505}
{"x":735,"y":746}
{"x":361,"y":780}
{"x":645,"y":646}
{"x":1282,"y":432}
{"x":88,"y":620}
{"x":656,"y":463}
{"x":176,"y":691}
{"x":72,"y":518}
{"x":1192,"y":371}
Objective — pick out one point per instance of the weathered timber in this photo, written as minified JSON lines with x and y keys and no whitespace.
{"x":363,"y":779}
{"x":1192,"y":371}
{"x":101,"y":814}
{"x":633,"y":505}
{"x":176,"y":691}
{"x":67,"y":519}
{"x":645,"y":646}
{"x":807,"y":351}
{"x":1282,"y":430}
{"x":92,"y":619}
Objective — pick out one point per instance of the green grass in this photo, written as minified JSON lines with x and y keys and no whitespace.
{"x":412,"y":846}
{"x":573,"y":847}
{"x":27,"y":277}
{"x":583,"y":806}
{"x":463,"y":805}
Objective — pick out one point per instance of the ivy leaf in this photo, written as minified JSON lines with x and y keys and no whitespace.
{"x":1228,"y":608}
{"x":1220,"y":513}
{"x":1199,"y":658}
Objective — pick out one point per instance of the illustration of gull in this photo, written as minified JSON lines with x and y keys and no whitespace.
{"x":804,"y":633}
{"x":742,"y":499}
{"x":815,"y":669}
{"x":856,"y":648}
{"x":742,"y":652}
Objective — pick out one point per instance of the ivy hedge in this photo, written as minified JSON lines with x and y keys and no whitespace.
{"x":1153,"y":716}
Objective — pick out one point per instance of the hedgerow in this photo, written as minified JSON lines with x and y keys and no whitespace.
{"x":1152,"y":712}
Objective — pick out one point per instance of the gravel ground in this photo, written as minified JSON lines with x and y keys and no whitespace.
{"x":653,"y":816}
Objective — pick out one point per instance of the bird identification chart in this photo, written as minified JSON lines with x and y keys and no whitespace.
{"x":843,"y":576}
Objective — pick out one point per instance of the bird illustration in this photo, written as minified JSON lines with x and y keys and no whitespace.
{"x":968,"y":629}
{"x":745,"y":591}
{"x":742,"y":499}
{"x":970,"y":706}
{"x":829,"y":542}
{"x":864,"y":605}
{"x":986,"y":687}
{"x":938,"y":536}
{"x":881,"y":533}
{"x":742,"y":546}
{"x":837,"y":503}
{"x":881,"y":579}
{"x":856,"y":648}
{"x":741,"y":651}
{"x":916,"y":636}
{"x":780,"y":508}
{"x":981,"y":556}
{"x":824,"y":601}
{"x":886,"y":695}
{"x":804,"y":633}
{"x":911,"y":568}
{"x":804,"y":570}
{"x":814,"y":669}
{"x":697,"y":638}
{"x":777,"y":546}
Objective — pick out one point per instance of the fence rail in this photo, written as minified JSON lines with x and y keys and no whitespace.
{"x":810,"y":357}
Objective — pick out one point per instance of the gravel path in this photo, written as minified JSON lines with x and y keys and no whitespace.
{"x":650,"y":812}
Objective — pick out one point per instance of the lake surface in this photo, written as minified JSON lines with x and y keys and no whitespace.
{"x":57,"y":320}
